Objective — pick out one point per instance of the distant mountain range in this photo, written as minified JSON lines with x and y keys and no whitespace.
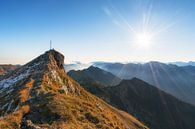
{"x":80,"y":66}
{"x":76,"y":66}
{"x":157,"y":109}
{"x":179,"y":63}
{"x":178,"y":81}
{"x":40,"y":95}
{"x":7,"y":68}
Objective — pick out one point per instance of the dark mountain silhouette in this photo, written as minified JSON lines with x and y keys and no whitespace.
{"x":96,"y":74}
{"x":154,"y":107}
{"x":178,"y":81}
{"x":41,"y":95}
{"x":159,"y":110}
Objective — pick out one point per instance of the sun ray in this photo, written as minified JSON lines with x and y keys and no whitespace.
{"x":145,"y":34}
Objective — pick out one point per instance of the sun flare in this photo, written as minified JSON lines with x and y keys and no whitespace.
{"x":143,"y":39}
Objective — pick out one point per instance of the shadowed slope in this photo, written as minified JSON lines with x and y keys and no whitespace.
{"x":178,"y":81}
{"x":96,"y":74}
{"x":154,"y":107}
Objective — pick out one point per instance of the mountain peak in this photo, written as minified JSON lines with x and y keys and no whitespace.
{"x":57,"y":57}
{"x":41,"y":95}
{"x":50,"y":58}
{"x":93,"y":67}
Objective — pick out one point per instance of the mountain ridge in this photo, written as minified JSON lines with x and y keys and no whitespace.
{"x":153,"y":106}
{"x":175,"y":80}
{"x":96,"y":74}
{"x":156,"y":108}
{"x":41,"y":95}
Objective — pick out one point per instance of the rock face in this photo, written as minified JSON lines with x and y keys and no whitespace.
{"x":41,"y":95}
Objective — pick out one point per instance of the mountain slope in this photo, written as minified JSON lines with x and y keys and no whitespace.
{"x":178,"y":81}
{"x":154,"y":107}
{"x":96,"y":74}
{"x":41,"y":95}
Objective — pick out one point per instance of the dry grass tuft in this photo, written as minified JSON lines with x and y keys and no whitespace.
{"x":14,"y":120}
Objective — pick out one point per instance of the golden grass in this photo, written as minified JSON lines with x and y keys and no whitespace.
{"x":24,"y":93}
{"x":75,"y":108}
{"x":13,"y":120}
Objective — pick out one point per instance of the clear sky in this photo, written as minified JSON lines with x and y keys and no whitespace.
{"x":98,"y":30}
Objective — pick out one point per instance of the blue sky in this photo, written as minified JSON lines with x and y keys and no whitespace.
{"x":97,"y":30}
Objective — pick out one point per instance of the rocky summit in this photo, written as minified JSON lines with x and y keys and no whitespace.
{"x":40,"y":95}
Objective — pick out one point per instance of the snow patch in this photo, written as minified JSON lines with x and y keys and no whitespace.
{"x":12,"y":80}
{"x":5,"y":83}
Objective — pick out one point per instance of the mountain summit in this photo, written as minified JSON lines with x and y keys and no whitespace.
{"x":41,"y":95}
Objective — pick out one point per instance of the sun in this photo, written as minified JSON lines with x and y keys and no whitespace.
{"x":143,"y":39}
